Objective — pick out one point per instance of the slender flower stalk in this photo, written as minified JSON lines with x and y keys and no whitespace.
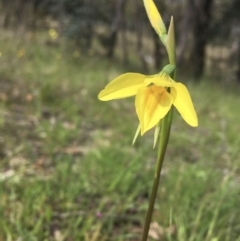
{"x":156,"y":95}
{"x":164,"y":136}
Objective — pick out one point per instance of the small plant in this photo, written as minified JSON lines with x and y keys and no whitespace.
{"x":155,"y":97}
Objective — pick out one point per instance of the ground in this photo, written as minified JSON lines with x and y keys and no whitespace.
{"x":69,"y":170}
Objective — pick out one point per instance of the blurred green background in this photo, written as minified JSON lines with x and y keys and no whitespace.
{"x":68,"y":171}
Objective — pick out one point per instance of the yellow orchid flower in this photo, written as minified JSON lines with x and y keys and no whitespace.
{"x":154,"y":17}
{"x":153,"y":101}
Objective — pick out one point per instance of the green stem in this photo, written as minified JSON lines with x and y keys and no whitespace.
{"x":169,"y":42}
{"x":164,"y":137}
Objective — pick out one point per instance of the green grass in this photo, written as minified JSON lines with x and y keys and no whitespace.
{"x":68,"y":170}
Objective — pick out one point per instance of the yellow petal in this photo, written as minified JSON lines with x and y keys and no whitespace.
{"x":154,"y":17}
{"x":183,"y":102}
{"x":123,"y":86}
{"x":152,"y":104}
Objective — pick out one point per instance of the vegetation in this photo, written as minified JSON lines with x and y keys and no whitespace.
{"x":201,"y":23}
{"x":69,"y":172}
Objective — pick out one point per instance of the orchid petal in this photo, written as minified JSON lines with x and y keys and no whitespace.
{"x":183,"y":102}
{"x":123,"y":86}
{"x":152,"y":104}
